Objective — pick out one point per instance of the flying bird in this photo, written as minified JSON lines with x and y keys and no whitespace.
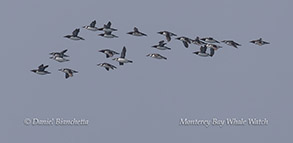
{"x":259,"y":42}
{"x":109,"y":53}
{"x":161,"y":46}
{"x":197,"y":41}
{"x":107,"y":28}
{"x":41,"y":70}
{"x":108,"y":35}
{"x":167,"y":34}
{"x":209,"y":40}
{"x":122,"y":58}
{"x":231,"y":43}
{"x":107,"y":66}
{"x":62,"y":53}
{"x":213,"y":46}
{"x":203,"y":53}
{"x":136,"y":32}
{"x":185,"y":41}
{"x":59,"y":58}
{"x":74,"y":35}
{"x":68,"y":72}
{"x":156,"y":56}
{"x":91,"y":27}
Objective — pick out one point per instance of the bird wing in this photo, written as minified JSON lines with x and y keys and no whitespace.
{"x":161,"y":43}
{"x":63,"y":52}
{"x":93,"y":24}
{"x":123,"y":53}
{"x":185,"y":44}
{"x":168,"y":37}
{"x":45,"y":67}
{"x":75,"y":32}
{"x":212,"y":52}
{"x":66,"y":75}
{"x":108,"y":24}
{"x":203,"y":49}
{"x":41,"y":67}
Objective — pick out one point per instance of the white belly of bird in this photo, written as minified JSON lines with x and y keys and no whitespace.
{"x":109,"y":36}
{"x":137,"y":34}
{"x":157,"y":57}
{"x":92,"y":28}
{"x":59,"y":59}
{"x":162,"y":48}
{"x":203,"y":54}
{"x":74,"y":38}
{"x":41,"y":73}
{"x":107,"y":30}
{"x":122,"y":60}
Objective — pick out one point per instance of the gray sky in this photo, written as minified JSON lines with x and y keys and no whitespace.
{"x":144,"y":101}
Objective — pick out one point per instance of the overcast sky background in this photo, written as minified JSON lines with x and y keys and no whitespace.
{"x":143,"y":102}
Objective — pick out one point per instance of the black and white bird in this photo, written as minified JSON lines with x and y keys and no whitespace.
{"x":213,"y":46}
{"x":109,"y":53}
{"x":59,"y":58}
{"x":41,"y":70}
{"x":68,"y":72}
{"x":91,"y":27}
{"x":156,"y":56}
{"x":231,"y":43}
{"x":209,"y":40}
{"x":259,"y":42}
{"x":203,"y":53}
{"x":185,"y":41}
{"x":122,"y":58}
{"x":107,"y":28}
{"x":167,"y":34}
{"x":107,"y":66}
{"x":62,"y":53}
{"x":74,"y":35}
{"x":197,"y":41}
{"x":108,"y":35}
{"x":136,"y":32}
{"x":161,"y":46}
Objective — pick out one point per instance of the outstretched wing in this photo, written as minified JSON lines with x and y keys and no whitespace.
{"x":168,"y":36}
{"x":108,"y":25}
{"x":64,"y":51}
{"x":188,"y":40}
{"x":123,"y":53}
{"x":203,"y":49}
{"x":93,"y":24}
{"x":237,"y":44}
{"x":185,"y":44}
{"x":161,"y":43}
{"x":266,"y":42}
{"x":66,"y":75}
{"x":75,"y":32}
{"x":212,"y":52}
{"x":41,"y":67}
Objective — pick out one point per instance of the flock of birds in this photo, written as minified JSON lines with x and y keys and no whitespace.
{"x":204,"y":43}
